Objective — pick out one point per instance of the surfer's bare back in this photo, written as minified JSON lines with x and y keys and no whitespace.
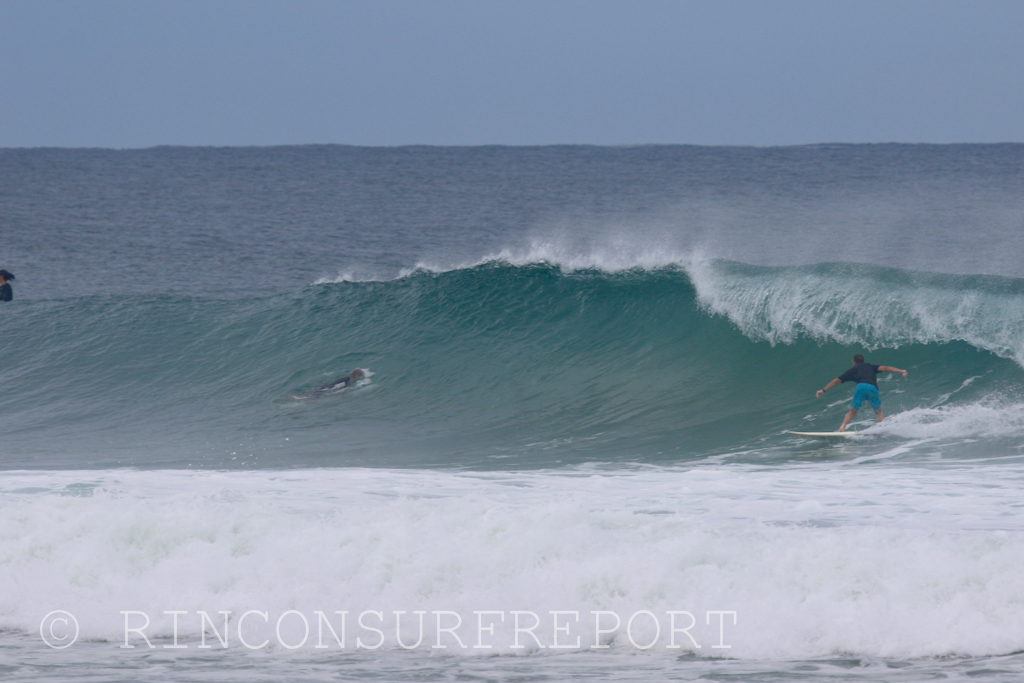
{"x":867,"y":386}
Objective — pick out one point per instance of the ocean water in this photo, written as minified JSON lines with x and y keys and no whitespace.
{"x":569,"y":455}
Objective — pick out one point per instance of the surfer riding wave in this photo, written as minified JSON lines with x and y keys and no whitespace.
{"x":867,"y":386}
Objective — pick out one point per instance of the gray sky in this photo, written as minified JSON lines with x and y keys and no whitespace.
{"x":136,"y":74}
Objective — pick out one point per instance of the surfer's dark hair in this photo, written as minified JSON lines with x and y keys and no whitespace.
{"x":6,"y":274}
{"x":858,"y":358}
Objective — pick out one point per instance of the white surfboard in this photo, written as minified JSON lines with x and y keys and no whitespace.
{"x":823,"y":435}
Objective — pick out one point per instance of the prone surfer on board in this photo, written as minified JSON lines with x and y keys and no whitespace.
{"x":336,"y":385}
{"x":867,"y":387}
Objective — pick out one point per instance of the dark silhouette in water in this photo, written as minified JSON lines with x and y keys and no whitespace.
{"x":6,"y":294}
{"x":336,"y":385}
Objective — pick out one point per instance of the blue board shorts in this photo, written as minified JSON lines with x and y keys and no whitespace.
{"x":866,"y":392}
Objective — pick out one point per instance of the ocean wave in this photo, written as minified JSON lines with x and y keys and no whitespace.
{"x":494,"y":364}
{"x":847,"y":303}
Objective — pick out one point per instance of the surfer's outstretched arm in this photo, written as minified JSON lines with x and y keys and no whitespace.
{"x":889,"y":368}
{"x":829,"y":386}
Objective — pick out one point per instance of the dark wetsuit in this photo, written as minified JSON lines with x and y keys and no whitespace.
{"x":328,"y":388}
{"x":331,"y":386}
{"x":5,"y":292}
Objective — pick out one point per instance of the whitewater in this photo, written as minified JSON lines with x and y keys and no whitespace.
{"x":568,"y":456}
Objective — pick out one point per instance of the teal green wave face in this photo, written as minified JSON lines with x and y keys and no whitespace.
{"x":496,"y":366}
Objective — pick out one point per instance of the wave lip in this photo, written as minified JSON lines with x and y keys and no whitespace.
{"x":864,"y":305}
{"x":614,"y":254}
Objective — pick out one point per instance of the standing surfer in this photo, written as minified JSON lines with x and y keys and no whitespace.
{"x":867,"y":387}
{"x":5,"y":288}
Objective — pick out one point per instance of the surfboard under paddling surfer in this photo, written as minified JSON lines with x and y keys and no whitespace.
{"x":336,"y":385}
{"x":867,"y":387}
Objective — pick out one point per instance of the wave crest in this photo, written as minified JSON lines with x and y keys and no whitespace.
{"x":867,"y":305}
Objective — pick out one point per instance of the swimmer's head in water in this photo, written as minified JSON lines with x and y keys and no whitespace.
{"x":6,"y":275}
{"x":356,"y":374}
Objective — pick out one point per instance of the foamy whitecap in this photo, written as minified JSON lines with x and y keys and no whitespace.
{"x":990,"y":419}
{"x":808,"y":557}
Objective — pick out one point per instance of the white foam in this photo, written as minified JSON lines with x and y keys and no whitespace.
{"x":990,"y":419}
{"x":610,"y":252}
{"x":814,"y":560}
